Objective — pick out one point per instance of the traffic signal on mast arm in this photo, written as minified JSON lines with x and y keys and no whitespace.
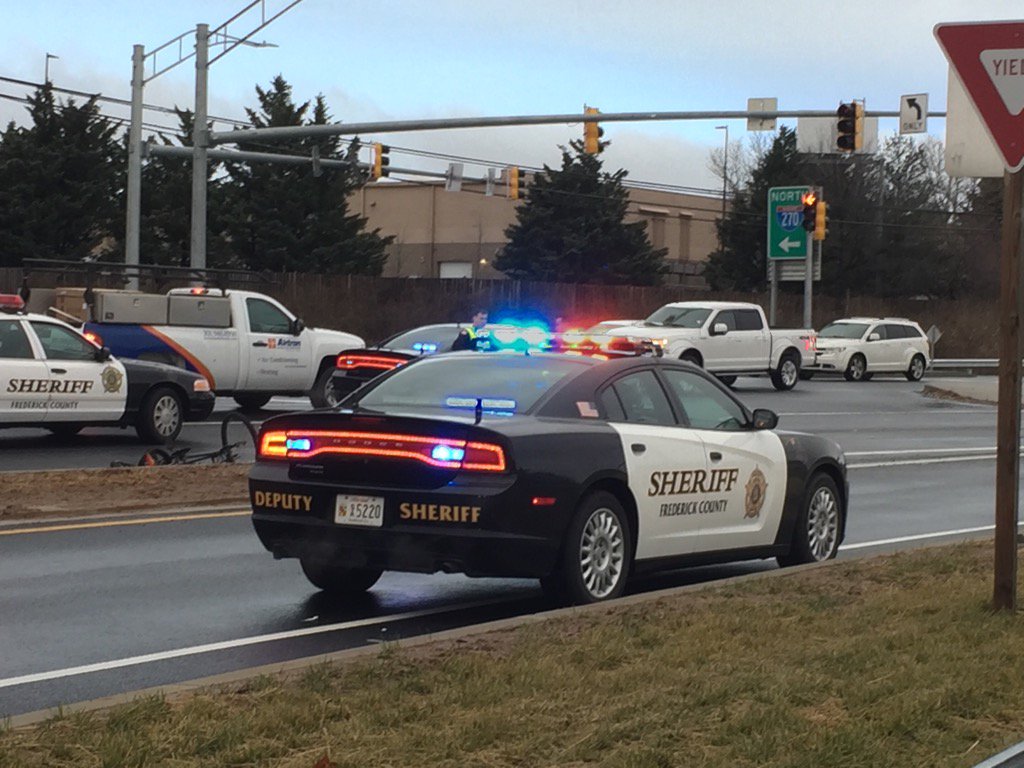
{"x":516,"y":178}
{"x":820,"y":220}
{"x":592,"y":133}
{"x":381,"y":161}
{"x":810,"y":214}
{"x":850,"y":126}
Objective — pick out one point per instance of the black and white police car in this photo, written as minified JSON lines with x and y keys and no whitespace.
{"x":567,"y":468}
{"x":53,"y":377}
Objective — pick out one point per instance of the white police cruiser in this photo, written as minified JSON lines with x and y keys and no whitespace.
{"x":53,"y":377}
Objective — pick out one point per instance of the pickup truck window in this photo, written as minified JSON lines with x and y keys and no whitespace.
{"x":748,"y":320}
{"x":264,"y":317}
{"x":842,"y":331}
{"x":726,"y":316}
{"x":679,"y":317}
{"x":63,"y":344}
{"x":13,"y":341}
{"x":706,"y":406}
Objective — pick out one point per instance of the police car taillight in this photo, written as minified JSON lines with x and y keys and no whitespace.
{"x":349,"y":362}
{"x":10,"y":302}
{"x":440,"y":452}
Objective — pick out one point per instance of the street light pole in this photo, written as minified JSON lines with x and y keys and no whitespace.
{"x":46,"y":67}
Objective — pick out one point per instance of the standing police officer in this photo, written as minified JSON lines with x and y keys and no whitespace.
{"x":476,"y":335}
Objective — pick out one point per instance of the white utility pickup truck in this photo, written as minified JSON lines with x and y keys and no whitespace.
{"x":246,"y":344}
{"x":728,"y":339}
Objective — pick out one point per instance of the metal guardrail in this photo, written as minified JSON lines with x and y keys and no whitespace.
{"x":951,"y":364}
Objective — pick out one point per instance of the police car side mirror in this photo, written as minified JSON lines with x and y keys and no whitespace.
{"x":719,"y":329}
{"x":102,"y":354}
{"x":873,"y":337}
{"x":764,"y":419}
{"x":297,"y":326}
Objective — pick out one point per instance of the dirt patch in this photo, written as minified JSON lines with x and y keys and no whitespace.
{"x":937,"y":393}
{"x":97,"y":491}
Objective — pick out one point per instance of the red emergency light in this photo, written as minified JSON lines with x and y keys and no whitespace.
{"x":10,"y":302}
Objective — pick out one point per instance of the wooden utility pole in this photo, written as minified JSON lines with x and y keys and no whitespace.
{"x":1008,"y":424}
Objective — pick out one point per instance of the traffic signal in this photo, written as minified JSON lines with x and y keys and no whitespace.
{"x":516,"y":178}
{"x":592,"y":133}
{"x":381,"y":161}
{"x":810,"y":201}
{"x":820,"y":220}
{"x":851,"y":126}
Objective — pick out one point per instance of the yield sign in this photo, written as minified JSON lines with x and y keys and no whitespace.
{"x":988,"y":58}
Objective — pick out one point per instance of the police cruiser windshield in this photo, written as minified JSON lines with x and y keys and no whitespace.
{"x":679,"y":317}
{"x":503,"y":383}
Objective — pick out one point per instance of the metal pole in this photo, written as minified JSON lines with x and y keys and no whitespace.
{"x":133,"y":207}
{"x":200,"y":142}
{"x":773,"y":295}
{"x":1008,"y":420}
{"x":808,"y":281}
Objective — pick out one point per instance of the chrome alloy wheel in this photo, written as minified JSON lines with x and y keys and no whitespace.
{"x":857,"y":367}
{"x":602,"y":553}
{"x":166,"y":415}
{"x":822,"y":524}
{"x":789,"y":373}
{"x":917,"y":367}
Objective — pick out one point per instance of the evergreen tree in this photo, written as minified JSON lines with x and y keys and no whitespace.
{"x":61,"y":182}
{"x":284,"y":218}
{"x":571,"y":228}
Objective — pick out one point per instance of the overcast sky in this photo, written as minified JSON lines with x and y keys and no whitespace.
{"x":399,"y":59}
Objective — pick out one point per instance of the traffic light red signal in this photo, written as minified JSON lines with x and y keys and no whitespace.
{"x":850,"y":126}
{"x":810,"y":211}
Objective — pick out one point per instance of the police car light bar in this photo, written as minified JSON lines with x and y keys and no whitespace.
{"x":10,"y":302}
{"x":440,"y":452}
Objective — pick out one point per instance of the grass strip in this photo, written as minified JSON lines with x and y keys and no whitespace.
{"x":891,"y":661}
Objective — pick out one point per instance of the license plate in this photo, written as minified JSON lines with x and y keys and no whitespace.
{"x":367,"y":511}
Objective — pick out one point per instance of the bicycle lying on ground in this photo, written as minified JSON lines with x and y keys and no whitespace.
{"x":237,"y":443}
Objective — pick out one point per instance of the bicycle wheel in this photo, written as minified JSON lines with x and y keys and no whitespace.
{"x":237,"y":438}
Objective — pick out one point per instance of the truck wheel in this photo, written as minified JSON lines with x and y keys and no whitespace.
{"x":322,"y":394}
{"x":786,"y":373}
{"x":252,"y":402}
{"x":161,"y":416}
{"x":596,"y":553}
{"x":856,"y":368}
{"x":691,"y":357}
{"x":339,"y":580}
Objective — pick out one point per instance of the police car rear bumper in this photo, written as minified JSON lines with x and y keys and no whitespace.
{"x":484,"y":529}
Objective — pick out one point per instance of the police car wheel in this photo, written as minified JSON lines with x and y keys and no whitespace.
{"x":339,"y":579}
{"x":161,"y":416}
{"x":251,"y":402}
{"x":816,"y":536}
{"x":856,"y":368}
{"x":786,"y":373}
{"x":596,"y":554}
{"x":322,"y":394}
{"x":64,"y":432}
{"x":916,"y":370}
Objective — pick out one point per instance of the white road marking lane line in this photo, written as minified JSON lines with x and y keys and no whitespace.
{"x":908,"y":462}
{"x":918,"y":537}
{"x":241,"y":642}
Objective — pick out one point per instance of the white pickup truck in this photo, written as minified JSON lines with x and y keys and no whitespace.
{"x":246,"y":344}
{"x":728,"y":339}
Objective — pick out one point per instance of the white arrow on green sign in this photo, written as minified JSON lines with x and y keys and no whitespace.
{"x":787,"y":238}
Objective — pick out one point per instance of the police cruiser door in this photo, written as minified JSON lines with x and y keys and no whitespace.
{"x":665,"y":464}
{"x":78,"y":386}
{"x":19,"y":363}
{"x":746,"y":509}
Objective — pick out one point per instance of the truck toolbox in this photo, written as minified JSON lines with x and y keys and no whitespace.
{"x":130,"y":307}
{"x":205,"y":311}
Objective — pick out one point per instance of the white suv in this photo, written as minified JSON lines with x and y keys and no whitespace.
{"x":859,"y":347}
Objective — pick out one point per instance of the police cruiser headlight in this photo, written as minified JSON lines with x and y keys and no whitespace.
{"x":200,"y":385}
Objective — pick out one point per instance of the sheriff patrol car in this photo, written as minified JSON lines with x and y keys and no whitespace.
{"x":53,"y":377}
{"x":570,"y":469}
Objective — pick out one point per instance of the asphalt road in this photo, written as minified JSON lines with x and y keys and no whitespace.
{"x":87,"y":612}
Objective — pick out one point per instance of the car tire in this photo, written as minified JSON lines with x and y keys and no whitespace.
{"x":339,"y":580}
{"x":252,"y":402}
{"x":806,"y":375}
{"x":816,"y":535}
{"x":691,"y":357}
{"x":322,"y":393}
{"x":786,"y":374}
{"x":867,"y":376}
{"x":64,"y":432}
{"x":161,"y":416}
{"x":916,"y":370}
{"x":596,"y":554}
{"x":727,"y":380}
{"x":856,"y":368}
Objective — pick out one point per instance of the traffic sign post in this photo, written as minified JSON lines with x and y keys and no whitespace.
{"x":988,"y":59}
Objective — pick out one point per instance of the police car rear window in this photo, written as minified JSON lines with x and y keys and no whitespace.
{"x":503,"y":383}
{"x":431,"y":338}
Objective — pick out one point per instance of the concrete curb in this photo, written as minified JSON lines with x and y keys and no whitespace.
{"x":114,"y":515}
{"x":287,"y":669}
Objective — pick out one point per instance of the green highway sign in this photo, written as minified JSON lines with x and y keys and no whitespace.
{"x":787,"y":238}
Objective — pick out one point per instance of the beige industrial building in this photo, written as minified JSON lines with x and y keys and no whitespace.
{"x":439,"y":233}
